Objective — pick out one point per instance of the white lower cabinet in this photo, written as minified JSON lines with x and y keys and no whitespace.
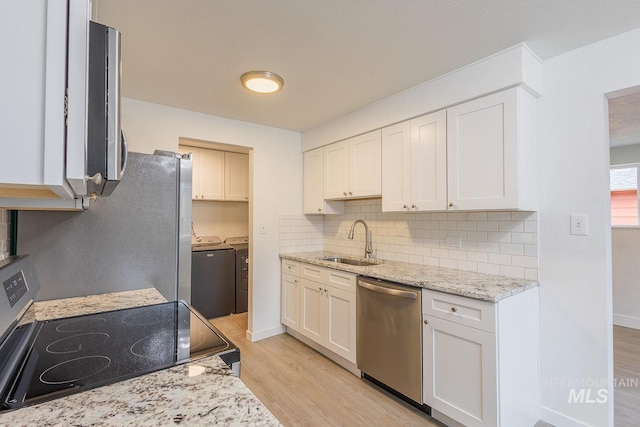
{"x":290,"y":294}
{"x":325,"y":311}
{"x":328,"y":317}
{"x":461,"y":378}
{"x":480,"y":359}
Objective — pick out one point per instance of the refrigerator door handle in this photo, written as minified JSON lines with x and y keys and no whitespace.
{"x":125,"y":152}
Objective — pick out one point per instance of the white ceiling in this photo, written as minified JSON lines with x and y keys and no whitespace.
{"x":336,"y":56}
{"x":624,"y":120}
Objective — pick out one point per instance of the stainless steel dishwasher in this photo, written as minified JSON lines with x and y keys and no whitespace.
{"x":389,"y":336}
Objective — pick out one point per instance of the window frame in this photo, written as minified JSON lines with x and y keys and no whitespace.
{"x":626,"y":166}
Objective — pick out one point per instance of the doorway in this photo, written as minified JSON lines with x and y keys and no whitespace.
{"x":221,"y":213}
{"x":624,"y":146}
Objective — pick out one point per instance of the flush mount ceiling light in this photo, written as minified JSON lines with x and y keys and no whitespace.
{"x":262,"y":81}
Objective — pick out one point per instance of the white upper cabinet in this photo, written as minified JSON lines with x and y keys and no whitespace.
{"x":352,"y":168}
{"x":414,"y":164}
{"x":491,"y":152}
{"x":208,"y":173}
{"x":313,"y":192}
{"x":365,"y":165}
{"x":336,"y":170}
{"x":479,"y":155}
{"x":219,"y":175}
{"x":40,"y":166}
{"x":236,"y":176}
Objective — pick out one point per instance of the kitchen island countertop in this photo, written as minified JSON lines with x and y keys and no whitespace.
{"x":203,"y":392}
{"x":485,"y":287}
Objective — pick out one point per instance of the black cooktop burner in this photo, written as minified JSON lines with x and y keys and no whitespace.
{"x":79,"y":353}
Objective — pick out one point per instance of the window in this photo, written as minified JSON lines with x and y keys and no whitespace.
{"x":624,"y":195}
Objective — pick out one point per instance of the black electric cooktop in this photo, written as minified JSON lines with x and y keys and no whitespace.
{"x":64,"y":356}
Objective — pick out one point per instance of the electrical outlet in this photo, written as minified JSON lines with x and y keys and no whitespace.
{"x":579,"y":225}
{"x":454,"y":242}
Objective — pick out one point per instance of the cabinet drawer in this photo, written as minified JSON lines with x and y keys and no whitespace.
{"x":340,"y":280}
{"x":312,"y":272}
{"x":464,"y":311}
{"x":291,"y":267}
{"x":328,"y":276}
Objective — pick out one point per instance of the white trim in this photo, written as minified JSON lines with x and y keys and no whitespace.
{"x":626,"y":321}
{"x":555,"y":418}
{"x":265,"y":333}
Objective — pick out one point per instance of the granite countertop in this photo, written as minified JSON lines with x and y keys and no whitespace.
{"x":204,"y":392}
{"x":485,"y":287}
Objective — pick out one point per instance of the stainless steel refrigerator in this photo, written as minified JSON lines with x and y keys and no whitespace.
{"x":138,"y":237}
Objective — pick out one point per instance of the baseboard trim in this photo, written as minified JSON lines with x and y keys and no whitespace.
{"x":626,"y":321}
{"x":555,"y":418}
{"x":265,"y":333}
{"x":349,"y":366}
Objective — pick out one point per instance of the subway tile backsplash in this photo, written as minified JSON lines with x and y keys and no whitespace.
{"x":300,"y":233}
{"x":504,"y":243}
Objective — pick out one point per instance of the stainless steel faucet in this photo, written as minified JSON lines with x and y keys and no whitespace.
{"x":368,"y":250}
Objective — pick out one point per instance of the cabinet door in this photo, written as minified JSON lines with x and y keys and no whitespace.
{"x":365,"y":165}
{"x":341,"y":332}
{"x":196,"y":191}
{"x":211,"y":174}
{"x":290,"y":315}
{"x":313,"y":316}
{"x":482,"y":153}
{"x":313,"y":168}
{"x":236,"y":176}
{"x":396,"y":167}
{"x":32,"y":104}
{"x":459,"y":372}
{"x":336,"y":170}
{"x":429,"y":162}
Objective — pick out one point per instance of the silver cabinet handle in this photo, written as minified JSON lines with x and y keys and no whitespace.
{"x":404,"y":206}
{"x":350,"y":193}
{"x":344,"y":193}
{"x":413,"y":206}
{"x":319,"y":209}
{"x":450,"y":204}
{"x":388,"y":291}
{"x":426,"y":322}
{"x":453,"y":309}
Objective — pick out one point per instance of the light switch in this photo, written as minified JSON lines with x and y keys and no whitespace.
{"x":579,"y":224}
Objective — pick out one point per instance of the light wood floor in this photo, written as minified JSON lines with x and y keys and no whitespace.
{"x":303,"y":388}
{"x":626,"y":355}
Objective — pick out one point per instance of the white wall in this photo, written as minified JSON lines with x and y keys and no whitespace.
{"x":625,"y":154}
{"x":276,"y":165}
{"x":222,"y":219}
{"x":626,"y":276}
{"x":515,"y":66}
{"x":575,"y":271}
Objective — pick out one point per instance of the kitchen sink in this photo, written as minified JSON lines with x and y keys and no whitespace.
{"x":349,"y":261}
